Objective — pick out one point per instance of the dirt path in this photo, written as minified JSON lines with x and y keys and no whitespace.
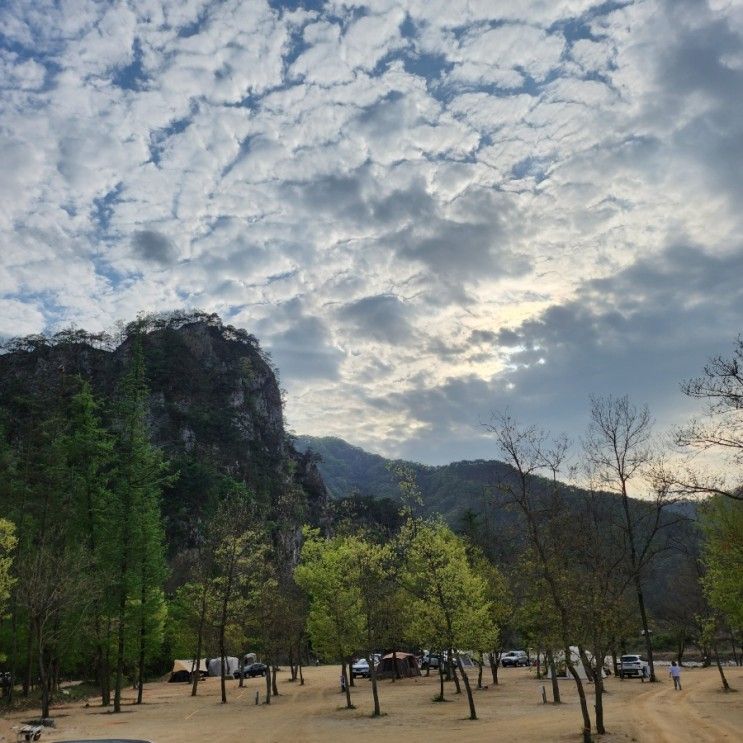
{"x":692,"y":715}
{"x":314,"y":713}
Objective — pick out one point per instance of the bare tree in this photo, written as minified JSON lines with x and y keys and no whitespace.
{"x":529,"y":451}
{"x":719,"y":431}
{"x":53,"y":588}
{"x":618,"y":450}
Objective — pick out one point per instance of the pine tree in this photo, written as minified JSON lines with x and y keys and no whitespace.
{"x":138,"y":538}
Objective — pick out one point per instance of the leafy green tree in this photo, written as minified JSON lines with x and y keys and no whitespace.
{"x":336,"y":622}
{"x":723,"y":557}
{"x":8,"y":541}
{"x":450,"y":609}
{"x":500,"y":598}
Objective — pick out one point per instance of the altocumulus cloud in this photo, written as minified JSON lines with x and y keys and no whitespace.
{"x":425,"y":210}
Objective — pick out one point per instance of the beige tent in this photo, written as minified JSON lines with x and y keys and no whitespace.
{"x":407,"y":665}
{"x":182,"y":669}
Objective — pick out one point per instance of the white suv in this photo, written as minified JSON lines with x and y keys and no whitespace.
{"x":633,"y":665}
{"x":514,"y":658}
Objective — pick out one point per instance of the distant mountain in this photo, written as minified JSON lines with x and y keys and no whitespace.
{"x":462,"y":492}
{"x":452,"y":490}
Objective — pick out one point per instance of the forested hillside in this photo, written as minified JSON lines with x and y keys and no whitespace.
{"x":148,"y":488}
{"x":472,"y":496}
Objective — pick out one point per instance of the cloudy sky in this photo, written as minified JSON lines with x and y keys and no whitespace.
{"x":426,"y":210}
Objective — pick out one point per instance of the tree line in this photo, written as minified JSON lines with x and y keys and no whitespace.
{"x":86,"y":588}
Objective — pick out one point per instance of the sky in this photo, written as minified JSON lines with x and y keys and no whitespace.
{"x":427,"y":211}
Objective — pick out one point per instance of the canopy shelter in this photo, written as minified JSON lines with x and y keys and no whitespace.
{"x":407,"y":665}
{"x":182,"y":669}
{"x":466,"y":660}
{"x":231,"y":664}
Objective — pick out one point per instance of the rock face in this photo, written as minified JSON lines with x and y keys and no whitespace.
{"x":215,"y":406}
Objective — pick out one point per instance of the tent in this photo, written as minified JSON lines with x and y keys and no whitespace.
{"x":466,"y":660}
{"x":231,"y":664}
{"x":249,"y":658}
{"x":182,"y":669}
{"x":407,"y":665}
{"x":562,"y":671}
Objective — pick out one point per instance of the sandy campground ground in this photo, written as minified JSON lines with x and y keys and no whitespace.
{"x":312,"y":713}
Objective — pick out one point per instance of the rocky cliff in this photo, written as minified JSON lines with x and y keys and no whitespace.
{"x":215,"y":408}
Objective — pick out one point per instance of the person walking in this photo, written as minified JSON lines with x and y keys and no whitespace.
{"x":675,"y":673}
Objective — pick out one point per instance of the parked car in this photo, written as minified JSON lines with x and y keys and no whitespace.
{"x":430,"y":660}
{"x":360,"y":669}
{"x":251,"y":671}
{"x":514,"y":658}
{"x":633,"y":665}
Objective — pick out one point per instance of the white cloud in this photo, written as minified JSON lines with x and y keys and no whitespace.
{"x":379,"y":179}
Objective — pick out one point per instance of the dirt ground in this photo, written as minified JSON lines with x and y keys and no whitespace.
{"x":512,"y":711}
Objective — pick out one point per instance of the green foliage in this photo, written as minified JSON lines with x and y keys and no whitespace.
{"x":450,"y":608}
{"x":8,"y":543}
{"x":336,"y":618}
{"x":723,"y":556}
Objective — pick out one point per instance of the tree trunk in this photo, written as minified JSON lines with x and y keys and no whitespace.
{"x":375,"y":691}
{"x":28,"y":675}
{"x":454,"y":674}
{"x":614,"y":662}
{"x":14,"y":652}
{"x":196,"y":676}
{"x":597,"y":669}
{"x":106,"y":689}
{"x":539,"y":664}
{"x":292,"y":667}
{"x":274,"y":688}
{"x":268,"y":683}
{"x":599,"y":701}
{"x":494,"y":665}
{"x":465,"y":678}
{"x":441,"y":678}
{"x":553,"y":677}
{"x":586,"y":664}
{"x":222,"y":679}
{"x":581,"y":697}
{"x":142,"y":639}
{"x":725,"y":685}
{"x":349,"y":705}
{"x":43,"y":676}
{"x":480,"y":664}
{"x":120,"y":644}
{"x":645,"y":629}
{"x":301,"y":675}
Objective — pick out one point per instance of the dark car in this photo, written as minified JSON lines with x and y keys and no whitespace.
{"x":430,"y":660}
{"x":251,"y":671}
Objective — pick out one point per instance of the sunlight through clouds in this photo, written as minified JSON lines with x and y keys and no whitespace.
{"x":424,"y":210}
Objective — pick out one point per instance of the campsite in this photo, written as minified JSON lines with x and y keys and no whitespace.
{"x":314,"y":712}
